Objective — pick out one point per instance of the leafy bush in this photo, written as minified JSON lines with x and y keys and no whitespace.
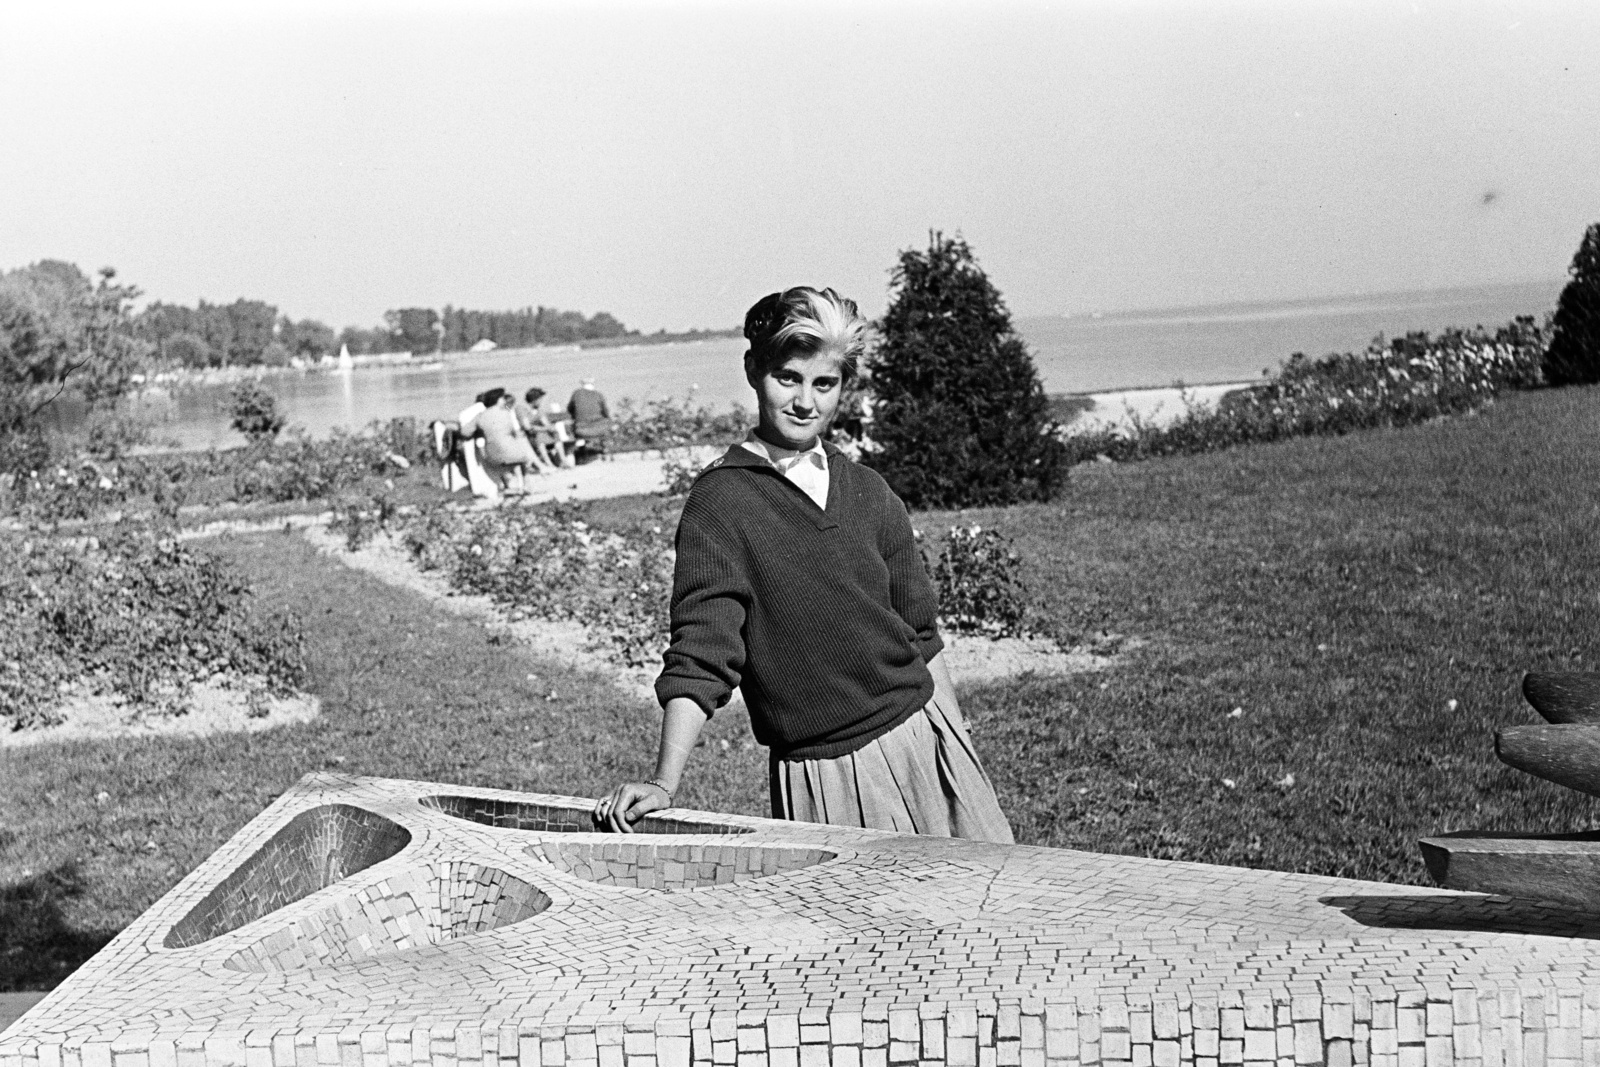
{"x":678,"y":472}
{"x":361,"y":518}
{"x":1396,"y":383}
{"x":960,"y":417}
{"x":979,"y":587}
{"x":133,"y":615}
{"x":302,"y":469}
{"x":1574,"y":354}
{"x":668,"y":424}
{"x":559,"y":562}
{"x":23,"y":451}
{"x":255,"y":412}
{"x":293,"y":469}
{"x":62,"y":494}
{"x":554,"y":563}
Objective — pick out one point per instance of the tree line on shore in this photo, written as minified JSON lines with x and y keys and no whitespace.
{"x":254,"y":333}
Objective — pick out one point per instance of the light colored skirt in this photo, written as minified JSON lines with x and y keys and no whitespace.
{"x":922,"y":777}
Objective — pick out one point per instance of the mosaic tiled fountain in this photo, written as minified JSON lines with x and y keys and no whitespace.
{"x":364,"y":922}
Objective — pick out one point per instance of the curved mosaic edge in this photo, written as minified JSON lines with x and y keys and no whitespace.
{"x":314,"y":850}
{"x":410,"y":909}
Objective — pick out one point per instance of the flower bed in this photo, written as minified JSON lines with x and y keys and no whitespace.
{"x":131,"y":615}
{"x":559,"y":562}
{"x":670,"y":424}
{"x":295,"y":468}
{"x":1396,"y":383}
{"x":554,"y":563}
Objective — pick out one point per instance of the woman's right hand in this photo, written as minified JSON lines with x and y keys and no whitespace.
{"x":629,"y":802}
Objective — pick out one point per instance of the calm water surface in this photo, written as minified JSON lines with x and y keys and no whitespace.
{"x":1078,"y":354}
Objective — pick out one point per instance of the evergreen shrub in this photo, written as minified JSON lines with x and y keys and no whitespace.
{"x":960,"y":417}
{"x":1573,"y":357}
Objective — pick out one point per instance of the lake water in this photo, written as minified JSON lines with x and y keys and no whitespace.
{"x":1078,"y":354}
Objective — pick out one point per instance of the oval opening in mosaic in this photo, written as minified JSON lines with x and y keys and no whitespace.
{"x":312,"y":851}
{"x":664,"y":868}
{"x":422,"y":906}
{"x":549,"y":818}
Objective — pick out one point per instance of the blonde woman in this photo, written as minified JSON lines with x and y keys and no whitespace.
{"x":799,"y":582}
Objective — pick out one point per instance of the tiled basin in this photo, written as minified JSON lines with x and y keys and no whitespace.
{"x":643,"y":865}
{"x":548,"y":818}
{"x":313,"y":851}
{"x":422,"y":906}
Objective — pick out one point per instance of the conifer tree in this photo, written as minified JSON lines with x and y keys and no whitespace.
{"x":959,"y":416}
{"x":1573,"y":357}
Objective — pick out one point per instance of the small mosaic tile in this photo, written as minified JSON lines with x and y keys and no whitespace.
{"x":364,"y":922}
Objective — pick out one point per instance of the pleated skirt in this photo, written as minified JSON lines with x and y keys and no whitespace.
{"x":922,"y":777}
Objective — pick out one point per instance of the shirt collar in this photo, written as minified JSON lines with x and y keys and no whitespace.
{"x":784,"y":459}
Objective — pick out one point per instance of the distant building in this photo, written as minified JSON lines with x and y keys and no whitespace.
{"x":485,"y":345}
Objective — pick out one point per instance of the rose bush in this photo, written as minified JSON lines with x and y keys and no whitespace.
{"x":1392,"y":383}
{"x":134,"y":615}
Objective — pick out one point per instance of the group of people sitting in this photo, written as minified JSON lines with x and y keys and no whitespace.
{"x":497,"y":441}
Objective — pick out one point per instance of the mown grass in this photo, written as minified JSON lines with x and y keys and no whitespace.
{"x":1341,"y":592}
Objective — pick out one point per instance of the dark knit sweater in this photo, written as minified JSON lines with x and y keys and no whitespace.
{"x":826,"y":619}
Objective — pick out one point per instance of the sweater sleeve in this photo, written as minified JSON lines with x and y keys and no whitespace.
{"x":706,"y":658}
{"x":910,"y":589}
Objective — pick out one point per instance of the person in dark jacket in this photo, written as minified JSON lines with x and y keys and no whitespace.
{"x":591,"y":416}
{"x":799,"y":581}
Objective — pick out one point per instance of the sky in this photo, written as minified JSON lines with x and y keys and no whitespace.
{"x":671,"y":162}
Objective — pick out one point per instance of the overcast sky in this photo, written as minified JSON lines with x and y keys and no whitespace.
{"x":671,"y":162}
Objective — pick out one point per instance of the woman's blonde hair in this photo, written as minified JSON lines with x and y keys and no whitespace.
{"x":803,"y":320}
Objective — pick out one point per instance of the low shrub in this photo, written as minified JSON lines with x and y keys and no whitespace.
{"x":300,"y":468}
{"x":133,"y":615}
{"x":255,"y":412}
{"x":667,"y":424}
{"x":294,"y":468}
{"x":556,"y":563}
{"x":561,"y":562}
{"x":678,"y":472}
{"x":978,"y":581}
{"x":1394,"y":383}
{"x":360,"y":518}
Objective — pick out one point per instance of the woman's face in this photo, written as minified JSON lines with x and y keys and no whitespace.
{"x":798,"y":399}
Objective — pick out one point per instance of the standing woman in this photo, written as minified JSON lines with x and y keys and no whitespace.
{"x":799,"y":581}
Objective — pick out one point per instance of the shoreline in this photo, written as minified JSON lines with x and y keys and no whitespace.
{"x":1122,"y":408}
{"x":210,"y":376}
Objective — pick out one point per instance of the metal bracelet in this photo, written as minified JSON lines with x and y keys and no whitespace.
{"x":659,"y":784}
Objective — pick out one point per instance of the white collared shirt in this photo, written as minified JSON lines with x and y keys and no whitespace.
{"x":808,"y":469}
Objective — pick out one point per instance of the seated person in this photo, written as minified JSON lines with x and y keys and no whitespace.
{"x":591,"y":417}
{"x":550,"y":440}
{"x":506,"y":451}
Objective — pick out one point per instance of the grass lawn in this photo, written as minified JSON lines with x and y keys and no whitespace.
{"x":1370,"y":602}
{"x":1341,"y":592}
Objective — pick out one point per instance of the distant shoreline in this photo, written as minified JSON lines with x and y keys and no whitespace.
{"x":1090,"y":394}
{"x":201,"y":377}
{"x":1379,"y":299}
